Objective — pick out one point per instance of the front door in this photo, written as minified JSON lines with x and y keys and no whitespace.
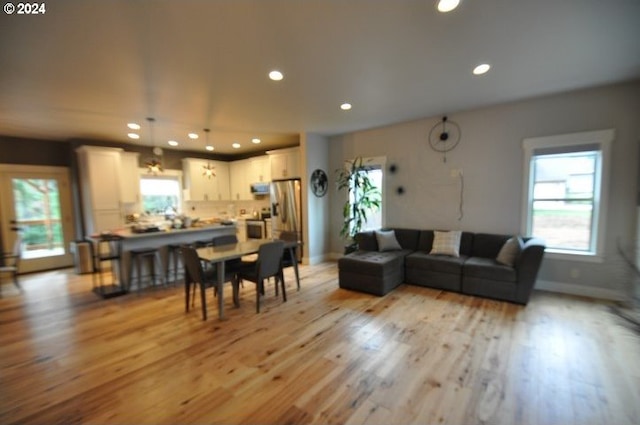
{"x":37,"y":200}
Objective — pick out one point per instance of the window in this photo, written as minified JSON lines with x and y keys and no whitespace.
{"x":161,"y":194}
{"x":374,"y":170}
{"x":565,"y":177}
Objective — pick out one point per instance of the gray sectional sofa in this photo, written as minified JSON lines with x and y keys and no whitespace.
{"x":476,"y":270}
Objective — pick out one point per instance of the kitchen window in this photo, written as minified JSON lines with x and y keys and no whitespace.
{"x":161,"y":195}
{"x":565,"y":184}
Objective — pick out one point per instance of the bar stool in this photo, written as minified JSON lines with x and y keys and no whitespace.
{"x":152,"y":256}
{"x":106,"y":258}
{"x":174,"y":261}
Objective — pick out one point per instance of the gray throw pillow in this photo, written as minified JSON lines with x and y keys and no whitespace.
{"x":387,"y":240}
{"x":510,"y":251}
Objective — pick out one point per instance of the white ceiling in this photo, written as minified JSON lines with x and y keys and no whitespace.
{"x":86,"y":68}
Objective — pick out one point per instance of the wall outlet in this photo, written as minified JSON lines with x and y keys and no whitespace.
{"x":455,"y":172}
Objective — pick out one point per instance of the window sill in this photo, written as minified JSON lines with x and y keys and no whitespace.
{"x":557,"y":254}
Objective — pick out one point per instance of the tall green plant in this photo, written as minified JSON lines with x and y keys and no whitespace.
{"x":363,"y":197}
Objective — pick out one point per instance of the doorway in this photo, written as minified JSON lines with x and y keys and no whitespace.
{"x":37,"y":200}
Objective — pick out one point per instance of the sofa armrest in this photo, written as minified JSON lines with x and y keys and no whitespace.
{"x":527,"y":265}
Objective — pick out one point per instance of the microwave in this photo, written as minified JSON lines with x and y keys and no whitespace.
{"x":260,"y":188}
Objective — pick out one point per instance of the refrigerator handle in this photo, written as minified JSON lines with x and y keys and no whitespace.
{"x":274,"y":208}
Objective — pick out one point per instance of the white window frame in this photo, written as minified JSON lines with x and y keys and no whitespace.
{"x":166,"y":175}
{"x":376,"y":162}
{"x":604,"y":140}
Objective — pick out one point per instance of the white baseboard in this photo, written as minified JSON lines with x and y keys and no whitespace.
{"x":316,"y":260}
{"x":585,"y":291}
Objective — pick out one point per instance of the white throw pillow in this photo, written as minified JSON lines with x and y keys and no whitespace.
{"x":446,"y":243}
{"x":510,"y":251}
{"x":387,"y":240}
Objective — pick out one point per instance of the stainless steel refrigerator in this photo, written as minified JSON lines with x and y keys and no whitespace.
{"x":286,"y":210}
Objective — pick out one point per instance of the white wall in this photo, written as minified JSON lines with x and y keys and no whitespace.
{"x":315,"y":155}
{"x":490,"y":156}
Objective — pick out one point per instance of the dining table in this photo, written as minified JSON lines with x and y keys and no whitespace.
{"x":218,"y":255}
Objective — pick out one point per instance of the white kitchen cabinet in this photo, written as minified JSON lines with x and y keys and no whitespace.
{"x":239,"y":172}
{"x":201,"y":187}
{"x":98,"y":167}
{"x":285,"y":163}
{"x":129,"y":178}
{"x":260,"y":169}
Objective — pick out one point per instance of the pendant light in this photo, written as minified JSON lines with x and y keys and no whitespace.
{"x":154,"y":165}
{"x":209,"y":170}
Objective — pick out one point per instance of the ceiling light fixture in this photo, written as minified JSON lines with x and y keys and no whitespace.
{"x":445,"y":6}
{"x":235,"y":145}
{"x":345,"y":106}
{"x":193,"y":136}
{"x":173,"y":143}
{"x":276,"y":75}
{"x":133,"y":126}
{"x":256,"y":141}
{"x":209,"y":171}
{"x":481,"y":69}
{"x":154,"y":165}
{"x":134,"y":136}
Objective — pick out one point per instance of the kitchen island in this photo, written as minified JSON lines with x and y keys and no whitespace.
{"x":161,"y":240}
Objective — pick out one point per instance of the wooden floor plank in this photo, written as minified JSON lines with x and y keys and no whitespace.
{"x":327,"y":355}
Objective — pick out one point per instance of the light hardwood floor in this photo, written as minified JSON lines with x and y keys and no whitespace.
{"x":416,"y":356}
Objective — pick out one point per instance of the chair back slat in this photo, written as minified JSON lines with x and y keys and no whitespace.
{"x":224,"y":240}
{"x":269,"y":258}
{"x":192,"y":265}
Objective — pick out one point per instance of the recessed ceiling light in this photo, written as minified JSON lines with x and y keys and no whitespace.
{"x":193,"y":136}
{"x":133,"y":136}
{"x":447,"y":5}
{"x":276,"y":75}
{"x":209,"y":147}
{"x":133,"y":126}
{"x":345,"y":106}
{"x":256,"y":141}
{"x":172,"y":143}
{"x":236,"y":145}
{"x":481,"y":69}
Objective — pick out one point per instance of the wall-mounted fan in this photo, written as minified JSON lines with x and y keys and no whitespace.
{"x":444,"y":136}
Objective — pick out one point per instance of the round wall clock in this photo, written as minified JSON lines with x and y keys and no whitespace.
{"x":319,"y":183}
{"x":444,"y":136}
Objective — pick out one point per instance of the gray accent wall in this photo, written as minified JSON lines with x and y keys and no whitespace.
{"x":490,"y":156}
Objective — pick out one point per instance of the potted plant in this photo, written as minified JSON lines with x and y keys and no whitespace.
{"x":363,"y":197}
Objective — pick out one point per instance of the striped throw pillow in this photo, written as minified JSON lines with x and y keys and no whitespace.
{"x":446,"y":243}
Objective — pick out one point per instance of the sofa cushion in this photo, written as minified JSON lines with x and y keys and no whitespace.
{"x":446,"y":243}
{"x":367,"y":241}
{"x":408,"y":238}
{"x":373,"y":262}
{"x":510,"y":251}
{"x":387,"y":240}
{"x":488,"y":268}
{"x":487,"y":245}
{"x":425,"y":242}
{"x":437,"y":263}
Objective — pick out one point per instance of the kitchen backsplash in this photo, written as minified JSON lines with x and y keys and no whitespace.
{"x":222,"y":209}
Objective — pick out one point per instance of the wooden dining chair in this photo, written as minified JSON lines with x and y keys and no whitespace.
{"x":196,"y":276}
{"x":268,"y":264}
{"x":11,"y":262}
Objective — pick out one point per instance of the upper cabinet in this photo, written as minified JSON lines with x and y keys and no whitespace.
{"x":129,"y":178}
{"x":201,"y":187}
{"x":240,"y":180}
{"x":260,"y":171}
{"x":100,"y":196}
{"x":285,"y":163}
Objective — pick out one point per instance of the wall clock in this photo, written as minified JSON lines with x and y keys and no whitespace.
{"x":319,"y":183}
{"x":444,"y":136}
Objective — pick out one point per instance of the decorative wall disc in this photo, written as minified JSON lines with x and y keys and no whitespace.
{"x":319,"y":183}
{"x":444,"y":136}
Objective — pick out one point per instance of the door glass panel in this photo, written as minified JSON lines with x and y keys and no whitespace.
{"x":38,"y":214}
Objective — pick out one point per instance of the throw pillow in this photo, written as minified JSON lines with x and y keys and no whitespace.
{"x":446,"y":243}
{"x":387,"y":240}
{"x":510,"y":251}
